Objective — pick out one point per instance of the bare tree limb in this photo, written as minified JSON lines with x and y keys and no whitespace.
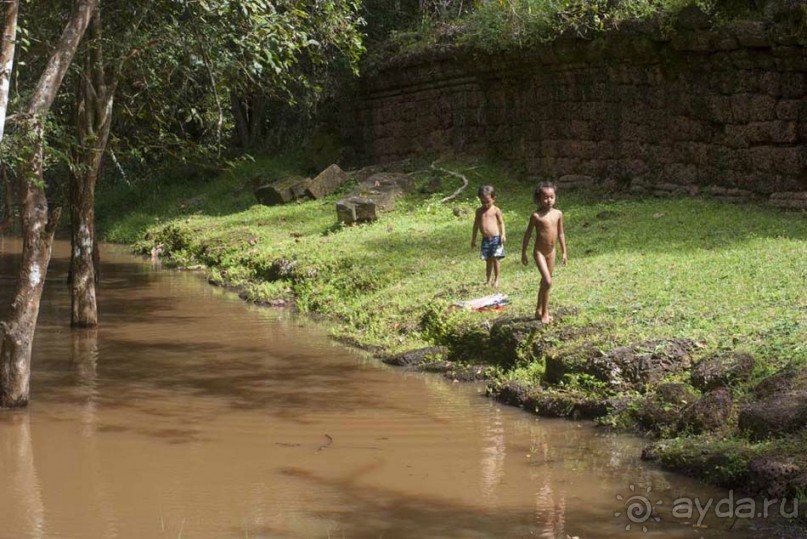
{"x":456,"y":174}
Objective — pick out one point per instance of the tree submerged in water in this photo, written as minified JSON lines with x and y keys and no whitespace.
{"x":183,"y":74}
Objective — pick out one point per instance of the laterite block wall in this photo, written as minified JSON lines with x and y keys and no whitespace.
{"x":716,"y":112}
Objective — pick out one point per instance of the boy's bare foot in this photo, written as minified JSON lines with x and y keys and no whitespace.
{"x":496,"y":283}
{"x":546,"y":319}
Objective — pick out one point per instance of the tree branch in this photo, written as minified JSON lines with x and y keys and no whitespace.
{"x":458,"y":175}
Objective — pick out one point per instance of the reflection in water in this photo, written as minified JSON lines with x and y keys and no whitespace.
{"x":550,"y":502}
{"x":18,"y":474}
{"x":494,"y":452}
{"x":85,"y":362}
{"x":189,"y":413}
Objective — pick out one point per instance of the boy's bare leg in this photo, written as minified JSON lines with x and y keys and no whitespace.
{"x":488,"y":269}
{"x":545,"y":265}
{"x":538,"y":303}
{"x":495,"y":273}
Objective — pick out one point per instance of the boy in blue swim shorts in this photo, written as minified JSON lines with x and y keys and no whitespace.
{"x":490,"y":222}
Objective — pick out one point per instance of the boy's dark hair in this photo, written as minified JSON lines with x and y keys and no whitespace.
{"x":541,"y":186}
{"x":486,"y":190}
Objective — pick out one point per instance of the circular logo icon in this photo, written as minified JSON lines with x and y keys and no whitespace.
{"x":638,"y":508}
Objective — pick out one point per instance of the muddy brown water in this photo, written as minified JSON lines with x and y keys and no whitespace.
{"x":190,"y":413}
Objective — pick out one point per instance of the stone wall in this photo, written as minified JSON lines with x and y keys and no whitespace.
{"x":698,"y":110}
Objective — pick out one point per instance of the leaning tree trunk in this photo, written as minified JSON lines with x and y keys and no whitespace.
{"x":38,"y":224}
{"x":38,"y":227}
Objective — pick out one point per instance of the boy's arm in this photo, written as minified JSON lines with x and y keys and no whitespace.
{"x":500,"y":217}
{"x":476,"y":227}
{"x":526,"y":241}
{"x":562,"y":239}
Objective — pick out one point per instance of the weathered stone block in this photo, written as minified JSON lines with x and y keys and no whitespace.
{"x":789,"y":200}
{"x":374,"y":195}
{"x":752,"y":34}
{"x":773,"y":476}
{"x":761,"y":108}
{"x":722,"y":370}
{"x":281,"y":191}
{"x":416,"y":357}
{"x":758,"y":132}
{"x":762,"y":156}
{"x":692,"y":41}
{"x":788,"y":109}
{"x":793,"y":85}
{"x":661,"y":410}
{"x":710,"y":413}
{"x":643,"y":363}
{"x":511,"y":339}
{"x":346,"y":211}
{"x":779,"y":414}
{"x":572,"y":180}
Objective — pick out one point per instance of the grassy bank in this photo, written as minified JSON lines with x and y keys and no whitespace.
{"x":725,"y":278}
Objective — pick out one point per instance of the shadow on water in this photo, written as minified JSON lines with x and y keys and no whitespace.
{"x":372,"y":512}
{"x":289,"y":387}
{"x":287,"y":384}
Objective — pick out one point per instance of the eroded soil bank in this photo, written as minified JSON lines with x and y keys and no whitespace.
{"x":709,"y":418}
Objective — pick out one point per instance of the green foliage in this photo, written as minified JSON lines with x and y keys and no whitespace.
{"x":505,"y":24}
{"x":257,"y":42}
{"x":586,"y":383}
{"x":384,"y":18}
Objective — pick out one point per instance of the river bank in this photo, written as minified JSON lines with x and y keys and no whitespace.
{"x":138,"y":422}
{"x":662,"y":304}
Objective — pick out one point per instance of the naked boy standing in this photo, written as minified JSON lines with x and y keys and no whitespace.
{"x":548,"y":224}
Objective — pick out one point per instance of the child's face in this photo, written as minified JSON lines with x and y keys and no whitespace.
{"x":487,"y":201}
{"x":546,"y":198}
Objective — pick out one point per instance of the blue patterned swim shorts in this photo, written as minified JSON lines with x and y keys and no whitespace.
{"x":492,"y":247}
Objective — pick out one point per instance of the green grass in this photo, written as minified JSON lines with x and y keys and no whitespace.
{"x":727,"y":276}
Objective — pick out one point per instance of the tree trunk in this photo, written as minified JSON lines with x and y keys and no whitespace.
{"x":256,"y":119}
{"x":84,"y":310}
{"x":95,"y":99}
{"x":18,"y":332}
{"x":240,"y":116}
{"x":6,"y":68}
{"x":7,"y":58}
{"x":248,"y":113}
{"x":8,"y":200}
{"x":38,"y":224}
